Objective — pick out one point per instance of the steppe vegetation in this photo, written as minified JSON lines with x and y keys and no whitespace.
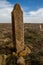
{"x":33,"y":38}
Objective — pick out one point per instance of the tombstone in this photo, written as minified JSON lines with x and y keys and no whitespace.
{"x":18,"y":28}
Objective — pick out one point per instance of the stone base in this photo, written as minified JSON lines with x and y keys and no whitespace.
{"x":25,"y":52}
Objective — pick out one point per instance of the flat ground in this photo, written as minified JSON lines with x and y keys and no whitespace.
{"x":33,"y":37}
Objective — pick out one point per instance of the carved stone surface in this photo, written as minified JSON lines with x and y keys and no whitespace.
{"x":18,"y":28}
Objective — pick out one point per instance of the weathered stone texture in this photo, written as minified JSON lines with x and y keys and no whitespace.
{"x":17,"y":22}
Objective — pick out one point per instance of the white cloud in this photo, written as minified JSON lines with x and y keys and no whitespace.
{"x":38,"y":12}
{"x":34,"y":16}
{"x":5,"y":11}
{"x":29,"y":17}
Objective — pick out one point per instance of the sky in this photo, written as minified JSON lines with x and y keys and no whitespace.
{"x":32,"y":10}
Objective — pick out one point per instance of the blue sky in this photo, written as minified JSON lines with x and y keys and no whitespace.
{"x":32,"y":10}
{"x":31,"y":4}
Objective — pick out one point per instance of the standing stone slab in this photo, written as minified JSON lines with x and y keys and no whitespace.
{"x":18,"y":28}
